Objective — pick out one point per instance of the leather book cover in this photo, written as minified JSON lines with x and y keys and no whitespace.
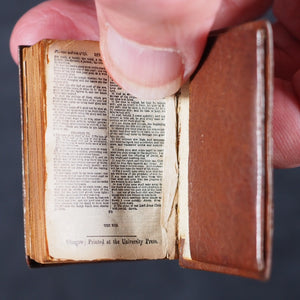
{"x":230,"y":161}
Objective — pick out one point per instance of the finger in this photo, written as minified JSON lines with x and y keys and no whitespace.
{"x":151,"y":47}
{"x":286,"y":121}
{"x":55,"y":20}
{"x":286,"y":124}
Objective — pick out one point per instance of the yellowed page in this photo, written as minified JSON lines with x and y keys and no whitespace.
{"x":106,"y":159}
{"x":183,"y":159}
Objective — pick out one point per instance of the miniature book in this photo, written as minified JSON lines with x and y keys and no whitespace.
{"x":108,"y":176}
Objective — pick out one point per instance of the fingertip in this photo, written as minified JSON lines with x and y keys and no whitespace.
{"x":55,"y":20}
{"x":151,"y":51}
{"x":146,"y":72}
{"x":286,"y":126}
{"x":29,"y":29}
{"x":25,"y":32}
{"x":13,"y":46}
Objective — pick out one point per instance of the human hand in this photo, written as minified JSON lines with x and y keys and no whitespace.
{"x":151,"y":47}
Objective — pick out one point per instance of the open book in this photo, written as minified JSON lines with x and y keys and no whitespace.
{"x":111,"y":177}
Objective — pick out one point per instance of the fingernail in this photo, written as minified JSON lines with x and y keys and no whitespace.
{"x":146,"y":72}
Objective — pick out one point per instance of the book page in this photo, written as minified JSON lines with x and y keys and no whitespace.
{"x":183,"y":164}
{"x":106,"y":159}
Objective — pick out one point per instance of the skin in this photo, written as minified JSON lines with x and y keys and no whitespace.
{"x":156,"y":45}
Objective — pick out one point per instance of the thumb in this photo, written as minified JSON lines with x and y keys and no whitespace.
{"x":151,"y":47}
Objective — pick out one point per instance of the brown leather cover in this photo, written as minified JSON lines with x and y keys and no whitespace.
{"x":230,"y":173}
